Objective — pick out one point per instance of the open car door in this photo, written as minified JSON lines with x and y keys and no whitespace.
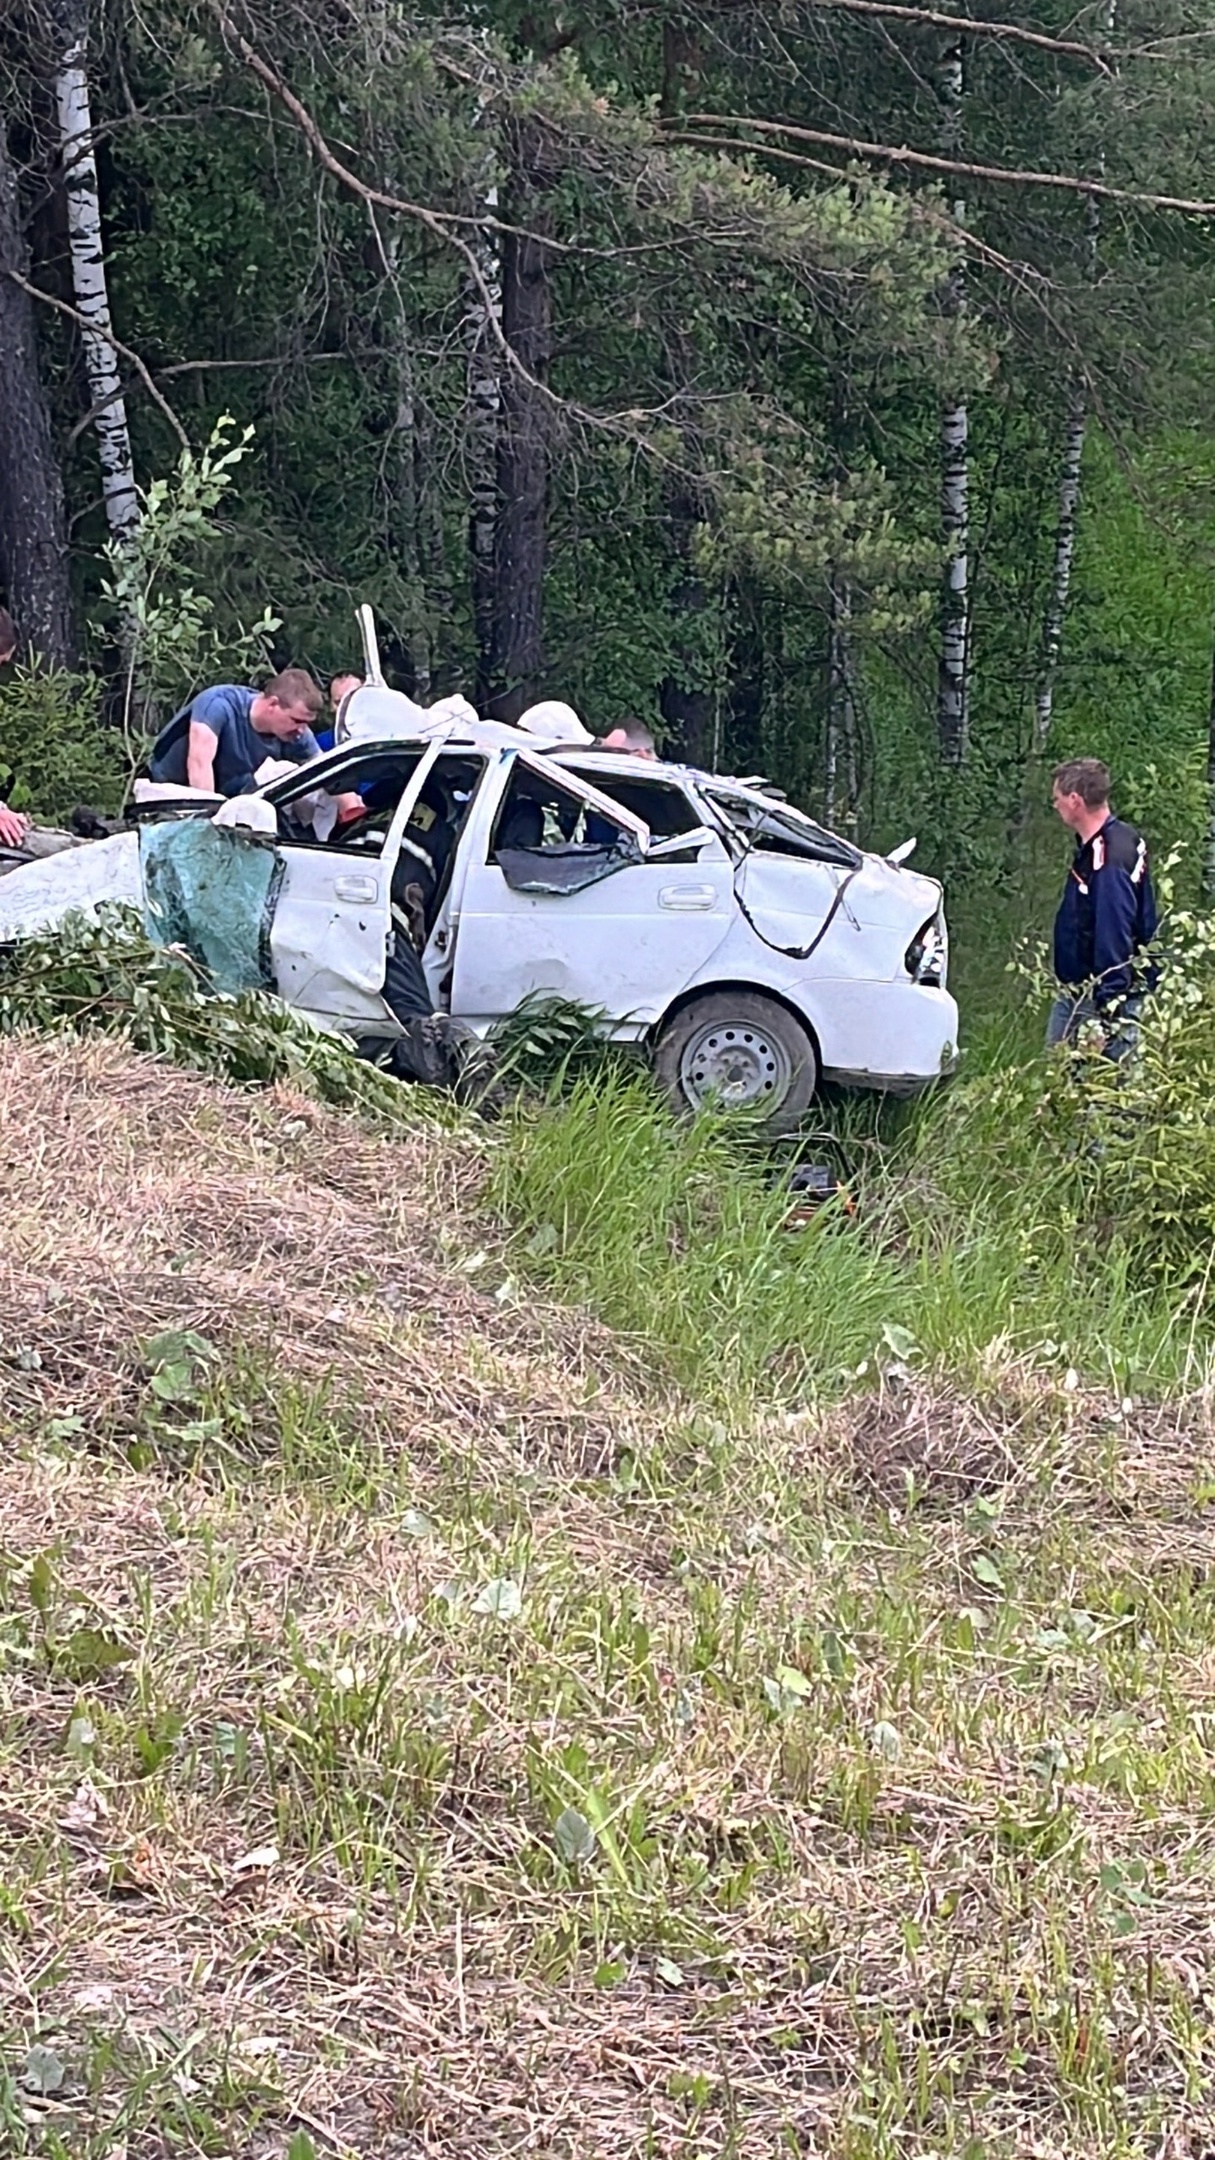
{"x":333,"y":914}
{"x":563,"y":894}
{"x":307,"y":918}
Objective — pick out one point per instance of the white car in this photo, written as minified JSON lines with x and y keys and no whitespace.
{"x":749,"y":950}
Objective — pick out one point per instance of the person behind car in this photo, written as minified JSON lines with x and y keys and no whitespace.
{"x":631,"y":735}
{"x":340,"y":687}
{"x":221,"y":739}
{"x":1107,"y":916}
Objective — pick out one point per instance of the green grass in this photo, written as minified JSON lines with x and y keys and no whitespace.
{"x":974,"y":1237}
{"x":420,"y":1727}
{"x":430,"y":1720}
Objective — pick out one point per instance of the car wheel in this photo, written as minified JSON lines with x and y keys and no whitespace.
{"x":741,"y":1050}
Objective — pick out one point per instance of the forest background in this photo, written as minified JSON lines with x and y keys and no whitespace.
{"x":828,"y":384}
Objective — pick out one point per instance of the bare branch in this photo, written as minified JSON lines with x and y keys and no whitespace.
{"x":889,"y":154}
{"x":1010,"y":33}
{"x":50,"y":300}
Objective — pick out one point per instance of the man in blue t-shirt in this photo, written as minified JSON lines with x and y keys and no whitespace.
{"x":220,"y":739}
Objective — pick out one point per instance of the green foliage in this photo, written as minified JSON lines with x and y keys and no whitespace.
{"x":55,"y":751}
{"x":1126,"y":1150}
{"x":162,"y":619}
{"x":547,"y":1044}
{"x":105,"y":977}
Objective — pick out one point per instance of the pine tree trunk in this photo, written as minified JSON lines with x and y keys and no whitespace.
{"x":33,"y":526}
{"x":953,"y":683}
{"x":484,"y":420}
{"x":521,"y":521}
{"x":1061,"y":567}
{"x":89,"y":276}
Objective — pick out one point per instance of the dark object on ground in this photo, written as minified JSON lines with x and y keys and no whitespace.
{"x":810,"y":1186}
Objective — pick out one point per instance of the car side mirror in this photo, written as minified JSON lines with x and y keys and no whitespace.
{"x":901,"y":853}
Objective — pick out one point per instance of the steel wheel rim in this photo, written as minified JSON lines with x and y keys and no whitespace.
{"x":735,"y":1063}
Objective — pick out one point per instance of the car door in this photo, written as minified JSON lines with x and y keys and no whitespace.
{"x":332,"y":917}
{"x":626,"y":943}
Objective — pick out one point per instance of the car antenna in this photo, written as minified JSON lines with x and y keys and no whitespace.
{"x":372,"y":671}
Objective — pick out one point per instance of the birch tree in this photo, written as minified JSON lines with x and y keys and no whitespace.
{"x":1070,"y":469}
{"x":953,"y":682}
{"x":483,"y":336}
{"x":75,"y":123}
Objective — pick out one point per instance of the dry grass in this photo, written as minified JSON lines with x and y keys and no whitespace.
{"x":889,"y":1735}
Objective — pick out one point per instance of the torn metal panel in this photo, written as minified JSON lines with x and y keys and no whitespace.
{"x":39,"y":895}
{"x":213,"y":890}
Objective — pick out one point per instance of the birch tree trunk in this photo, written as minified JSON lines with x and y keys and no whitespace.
{"x":521,"y":509}
{"x":33,"y":525}
{"x":840,"y":738}
{"x":953,"y":680}
{"x":1061,"y":566}
{"x":1069,"y":479}
{"x":89,"y":276}
{"x":483,"y":322}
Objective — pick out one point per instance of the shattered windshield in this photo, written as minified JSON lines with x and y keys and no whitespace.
{"x":776,"y":828}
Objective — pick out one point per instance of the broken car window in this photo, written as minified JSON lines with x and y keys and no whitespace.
{"x":381,"y":780}
{"x":547,"y":840}
{"x":666,"y":809}
{"x":778,"y":829}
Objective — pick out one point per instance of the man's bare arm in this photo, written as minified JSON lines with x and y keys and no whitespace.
{"x":200,"y":756}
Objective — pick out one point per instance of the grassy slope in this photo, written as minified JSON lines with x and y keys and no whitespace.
{"x":886,"y":1732}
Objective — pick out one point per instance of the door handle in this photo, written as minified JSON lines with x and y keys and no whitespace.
{"x":687,"y":896}
{"x":356,"y":888}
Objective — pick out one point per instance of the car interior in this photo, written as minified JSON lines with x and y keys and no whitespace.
{"x":541,"y":816}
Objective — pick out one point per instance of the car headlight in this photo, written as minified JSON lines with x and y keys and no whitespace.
{"x":927,"y":957}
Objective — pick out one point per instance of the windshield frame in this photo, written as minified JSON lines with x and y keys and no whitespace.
{"x":813,"y":841}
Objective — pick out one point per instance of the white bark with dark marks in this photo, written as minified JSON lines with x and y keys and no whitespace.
{"x":1069,"y":479}
{"x":482,"y":323}
{"x":72,"y":105}
{"x":1061,"y":566}
{"x":953,"y":680}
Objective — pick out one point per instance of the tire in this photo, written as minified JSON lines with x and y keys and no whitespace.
{"x":742,"y":1050}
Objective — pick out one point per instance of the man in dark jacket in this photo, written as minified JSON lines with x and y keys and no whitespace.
{"x":1107,"y":916}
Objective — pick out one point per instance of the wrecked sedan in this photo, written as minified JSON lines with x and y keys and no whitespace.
{"x":752,"y":952}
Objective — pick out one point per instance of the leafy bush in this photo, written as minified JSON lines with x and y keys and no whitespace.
{"x":1118,"y":1160}
{"x":55,"y":750}
{"x":105,"y":977}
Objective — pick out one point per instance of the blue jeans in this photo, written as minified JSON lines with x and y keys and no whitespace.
{"x":1074,"y":1009}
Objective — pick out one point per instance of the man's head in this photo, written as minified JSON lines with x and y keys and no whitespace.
{"x":1081,"y":795}
{"x":8,"y":636}
{"x":289,"y":703}
{"x":341,"y":687}
{"x":631,"y":735}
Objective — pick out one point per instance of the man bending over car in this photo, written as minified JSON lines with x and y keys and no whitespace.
{"x":221,"y":739}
